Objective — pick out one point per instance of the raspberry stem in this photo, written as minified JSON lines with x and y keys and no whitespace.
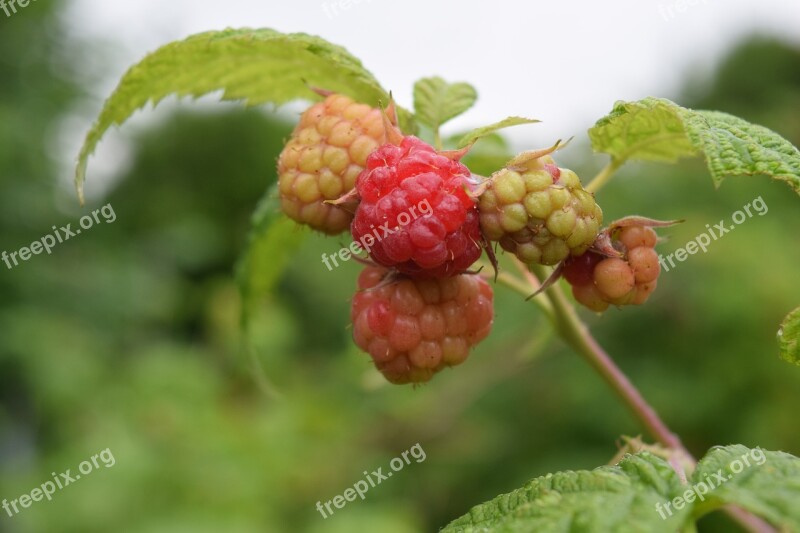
{"x":521,"y":287}
{"x":575,"y":333}
{"x":437,"y":139}
{"x":604,"y":175}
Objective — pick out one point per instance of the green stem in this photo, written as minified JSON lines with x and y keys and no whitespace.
{"x":517,"y":285}
{"x":437,"y":139}
{"x":576,"y":334}
{"x":604,"y":175}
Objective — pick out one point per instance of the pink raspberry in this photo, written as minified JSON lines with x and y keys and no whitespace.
{"x":416,"y":212}
{"x":413,"y":328}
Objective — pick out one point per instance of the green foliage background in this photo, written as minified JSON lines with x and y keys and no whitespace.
{"x":127,"y":337}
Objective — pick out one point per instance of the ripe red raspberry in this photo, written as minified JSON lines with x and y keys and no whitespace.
{"x":416,"y":214}
{"x":414,"y":328}
{"x":323,"y":158}
{"x":539,"y":212}
{"x":598,"y":281}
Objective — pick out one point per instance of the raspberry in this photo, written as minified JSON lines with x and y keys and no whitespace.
{"x":613,"y":277}
{"x":326,"y":153}
{"x":414,"y":328}
{"x":598,"y":281}
{"x":416,"y":213}
{"x":539,"y":212}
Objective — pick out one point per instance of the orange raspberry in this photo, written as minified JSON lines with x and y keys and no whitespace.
{"x":325,"y":154}
{"x":598,"y":281}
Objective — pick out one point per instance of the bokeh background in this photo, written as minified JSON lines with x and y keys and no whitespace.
{"x":127,"y":337}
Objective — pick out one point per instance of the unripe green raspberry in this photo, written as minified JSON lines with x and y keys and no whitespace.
{"x":539,"y":212}
{"x":326,"y":153}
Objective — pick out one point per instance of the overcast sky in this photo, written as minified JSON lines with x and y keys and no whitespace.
{"x":564,"y":62}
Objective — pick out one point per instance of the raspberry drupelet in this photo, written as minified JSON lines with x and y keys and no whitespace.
{"x":598,"y":281}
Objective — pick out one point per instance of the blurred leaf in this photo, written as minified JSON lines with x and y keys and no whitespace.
{"x":478,"y":133}
{"x":657,"y":129}
{"x":272,"y":241}
{"x":770,"y":490}
{"x":618,"y":498}
{"x":273,"y":238}
{"x":789,"y":337}
{"x":254,"y":66}
{"x":436,"y":101}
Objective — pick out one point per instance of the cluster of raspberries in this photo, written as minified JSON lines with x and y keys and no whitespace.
{"x":424,"y":220}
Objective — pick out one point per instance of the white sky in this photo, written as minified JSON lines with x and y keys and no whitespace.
{"x":564,"y":62}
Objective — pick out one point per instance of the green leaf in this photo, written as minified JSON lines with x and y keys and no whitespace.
{"x":436,"y":101}
{"x":769,"y":487}
{"x":252,"y":66}
{"x":789,"y":337}
{"x":656,"y":129}
{"x":478,"y":133}
{"x":273,"y":238}
{"x":272,"y":241}
{"x":618,"y":498}
{"x":649,"y":129}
